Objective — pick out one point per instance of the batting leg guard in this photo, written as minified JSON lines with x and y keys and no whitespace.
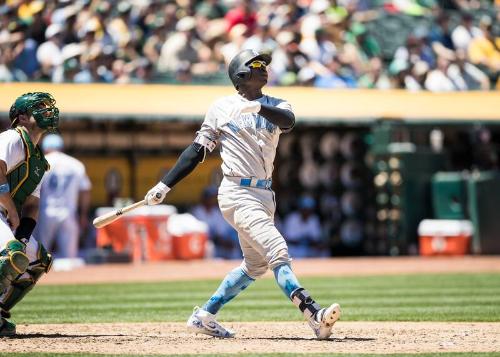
{"x":23,"y":285}
{"x":306,"y":304}
{"x":13,"y":262}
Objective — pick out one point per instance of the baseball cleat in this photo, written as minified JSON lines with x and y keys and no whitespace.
{"x":7,"y":328}
{"x":322,"y":323}
{"x":201,"y":321}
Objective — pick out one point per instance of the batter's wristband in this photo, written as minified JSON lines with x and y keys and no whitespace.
{"x":25,"y":228}
{"x":4,"y":188}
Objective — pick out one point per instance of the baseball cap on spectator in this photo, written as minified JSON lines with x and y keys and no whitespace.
{"x":52,"y":142}
{"x":215,"y":29}
{"x":285,"y":37}
{"x":53,"y":30}
{"x":397,"y":66}
{"x":238,"y":31}
{"x":319,"y":6}
{"x":186,"y":24}
{"x":357,"y":28}
{"x":71,"y":50}
{"x":420,"y":68}
{"x":124,"y":7}
{"x":71,"y":64}
{"x":91,"y":26}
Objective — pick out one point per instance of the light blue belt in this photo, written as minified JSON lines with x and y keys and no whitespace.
{"x":258,"y":183}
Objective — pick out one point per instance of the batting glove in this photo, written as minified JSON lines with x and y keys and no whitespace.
{"x":157,"y":194}
{"x":244,"y":107}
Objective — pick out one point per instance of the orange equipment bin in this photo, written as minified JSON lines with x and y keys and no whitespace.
{"x":190,"y":236}
{"x":142,"y":233}
{"x":444,"y":237}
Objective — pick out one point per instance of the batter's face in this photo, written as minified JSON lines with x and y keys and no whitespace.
{"x":259,"y":72}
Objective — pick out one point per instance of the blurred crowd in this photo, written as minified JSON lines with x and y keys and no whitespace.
{"x":321,"y":43}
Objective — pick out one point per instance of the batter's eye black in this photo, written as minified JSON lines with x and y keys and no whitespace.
{"x":257,"y":64}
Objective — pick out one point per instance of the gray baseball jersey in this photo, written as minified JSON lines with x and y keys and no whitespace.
{"x":248,"y":144}
{"x":248,"y":148}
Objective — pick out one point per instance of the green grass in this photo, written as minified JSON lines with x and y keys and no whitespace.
{"x":432,"y":297}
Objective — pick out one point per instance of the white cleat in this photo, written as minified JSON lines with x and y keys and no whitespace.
{"x":322,"y":323}
{"x":201,"y":321}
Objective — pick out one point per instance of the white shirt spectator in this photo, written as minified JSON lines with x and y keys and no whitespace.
{"x":461,"y":37}
{"x":438,"y":81}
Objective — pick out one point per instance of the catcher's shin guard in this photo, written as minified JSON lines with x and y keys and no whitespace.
{"x":13,"y":262}
{"x":24,"y":284}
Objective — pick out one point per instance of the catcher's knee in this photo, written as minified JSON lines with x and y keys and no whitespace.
{"x":13,"y":262}
{"x":24,"y":283}
{"x":279,"y":258}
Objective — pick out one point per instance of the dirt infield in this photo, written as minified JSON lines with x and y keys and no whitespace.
{"x":268,"y":337}
{"x":169,"y":338}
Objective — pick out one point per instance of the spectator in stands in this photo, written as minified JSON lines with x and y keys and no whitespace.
{"x":484,"y":51}
{"x":375,"y":77}
{"x":195,"y":36}
{"x":437,"y":80}
{"x":211,"y":9}
{"x":64,"y":200}
{"x":441,"y":33}
{"x":220,"y":233}
{"x":415,"y":50}
{"x":302,"y":230}
{"x":465,"y":75}
{"x":317,"y":46}
{"x":463,"y":34}
{"x":335,"y":76}
{"x":243,"y":13}
{"x":24,"y":63}
{"x":49,"y":53}
{"x":415,"y":79}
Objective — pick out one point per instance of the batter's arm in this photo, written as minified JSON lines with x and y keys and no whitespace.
{"x":283,"y":118}
{"x":187,"y":161}
{"x":185,"y":164}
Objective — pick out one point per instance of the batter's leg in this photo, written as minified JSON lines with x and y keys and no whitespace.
{"x":203,"y":319}
{"x":234,"y":283}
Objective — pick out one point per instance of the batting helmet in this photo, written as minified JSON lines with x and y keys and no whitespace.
{"x":238,"y":69}
{"x":39,"y":104}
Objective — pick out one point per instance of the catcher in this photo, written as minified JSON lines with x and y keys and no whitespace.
{"x":22,"y":165}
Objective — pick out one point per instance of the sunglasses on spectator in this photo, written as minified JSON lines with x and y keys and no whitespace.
{"x":257,"y":64}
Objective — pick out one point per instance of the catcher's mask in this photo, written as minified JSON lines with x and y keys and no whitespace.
{"x":238,"y":69}
{"x":40,"y":105}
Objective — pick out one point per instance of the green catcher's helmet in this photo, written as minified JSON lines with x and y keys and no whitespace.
{"x":39,"y":104}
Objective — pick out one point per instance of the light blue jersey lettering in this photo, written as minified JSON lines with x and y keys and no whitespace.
{"x":251,"y":121}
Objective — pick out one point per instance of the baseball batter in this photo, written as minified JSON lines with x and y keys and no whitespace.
{"x":247,"y":126}
{"x":22,"y":165}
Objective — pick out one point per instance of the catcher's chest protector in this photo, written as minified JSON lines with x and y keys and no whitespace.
{"x":25,"y":177}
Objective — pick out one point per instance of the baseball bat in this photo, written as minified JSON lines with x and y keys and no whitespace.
{"x":112,"y":216}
